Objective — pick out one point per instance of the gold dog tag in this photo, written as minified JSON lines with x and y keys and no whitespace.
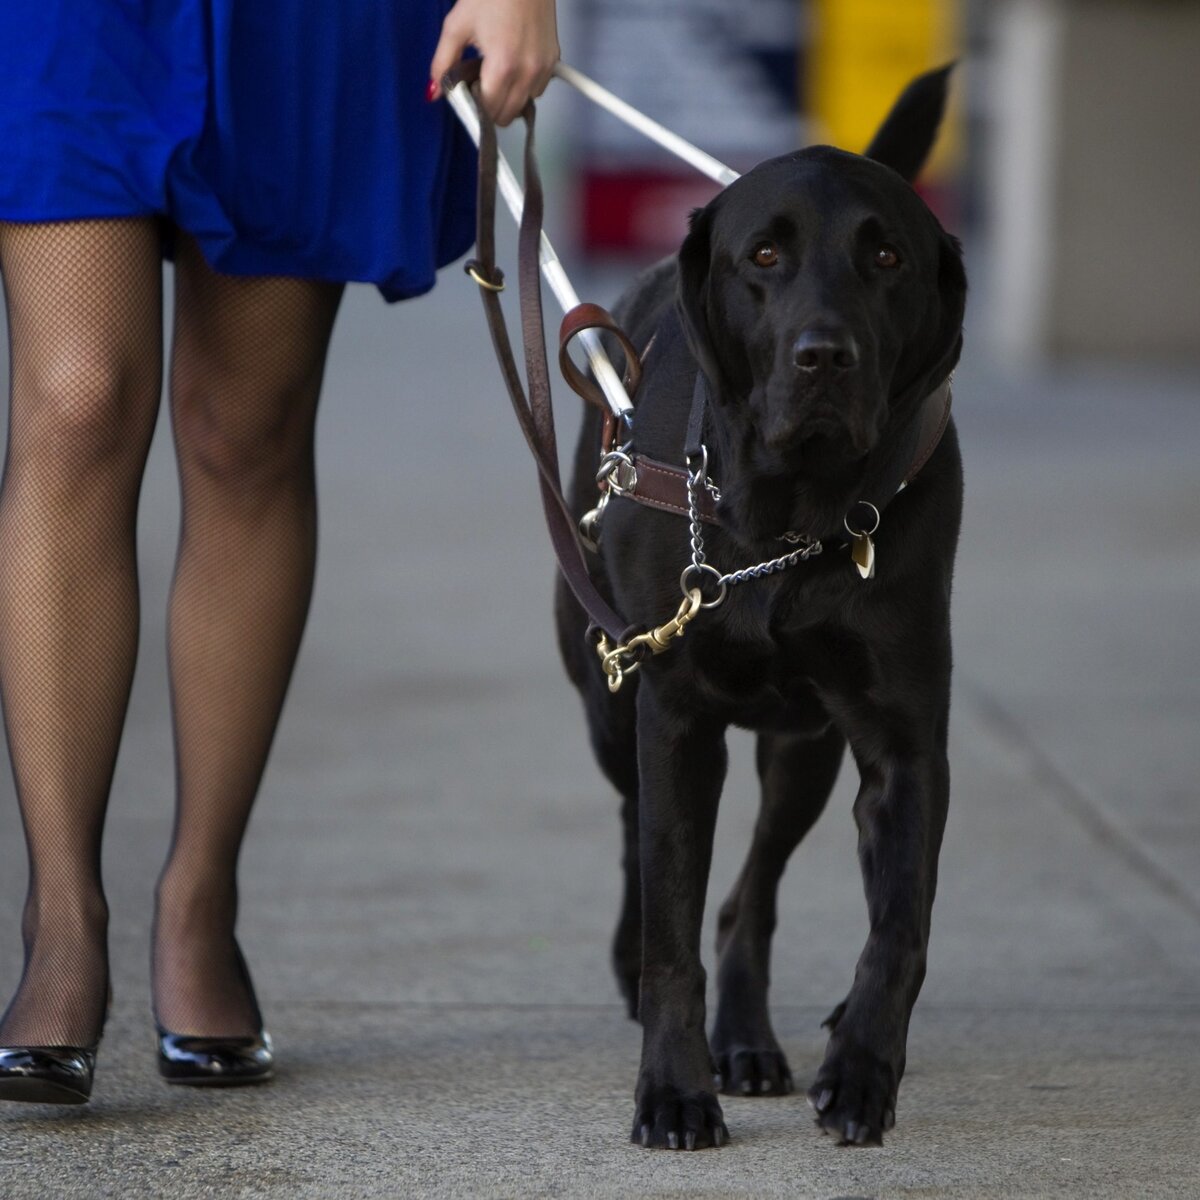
{"x":862,"y":550}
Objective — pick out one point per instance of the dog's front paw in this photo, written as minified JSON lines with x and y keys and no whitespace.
{"x":672,"y":1118}
{"x":855,"y":1096}
{"x":753,"y":1070}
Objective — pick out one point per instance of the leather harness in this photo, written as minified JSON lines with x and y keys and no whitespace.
{"x":664,"y":485}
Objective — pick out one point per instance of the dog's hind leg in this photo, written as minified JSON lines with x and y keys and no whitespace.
{"x":798,"y":771}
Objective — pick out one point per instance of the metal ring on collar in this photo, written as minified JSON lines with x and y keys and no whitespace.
{"x":861,"y":532}
{"x":700,"y":569}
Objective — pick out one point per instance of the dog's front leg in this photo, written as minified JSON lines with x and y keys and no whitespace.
{"x":681,"y":763}
{"x":900,"y":813}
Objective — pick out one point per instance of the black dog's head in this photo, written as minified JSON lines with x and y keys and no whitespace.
{"x":823,"y":301}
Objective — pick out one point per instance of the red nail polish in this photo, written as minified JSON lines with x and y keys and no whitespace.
{"x":431,"y":92}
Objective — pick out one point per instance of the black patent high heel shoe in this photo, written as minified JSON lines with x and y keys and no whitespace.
{"x":197,"y":1061}
{"x":49,"y":1074}
{"x":215,"y":1061}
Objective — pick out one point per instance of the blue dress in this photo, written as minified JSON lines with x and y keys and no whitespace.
{"x":290,"y":137}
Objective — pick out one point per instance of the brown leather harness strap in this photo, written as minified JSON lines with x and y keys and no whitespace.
{"x":665,"y":486}
{"x":662,"y":485}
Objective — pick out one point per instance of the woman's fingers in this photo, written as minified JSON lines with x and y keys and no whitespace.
{"x":519,"y":43}
{"x":456,"y":36}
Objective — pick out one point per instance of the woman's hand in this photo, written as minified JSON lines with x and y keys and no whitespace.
{"x":519,"y":43}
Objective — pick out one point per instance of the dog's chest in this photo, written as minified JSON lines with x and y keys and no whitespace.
{"x":751,"y":671}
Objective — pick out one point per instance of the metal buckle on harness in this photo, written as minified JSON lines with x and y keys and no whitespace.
{"x":616,"y":476}
{"x":617,"y":472}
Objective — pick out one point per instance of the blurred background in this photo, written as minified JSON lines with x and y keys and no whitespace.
{"x":1069,"y":160}
{"x":431,"y":877}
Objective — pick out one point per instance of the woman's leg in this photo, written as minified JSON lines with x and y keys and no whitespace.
{"x":246,"y":371}
{"x":84,"y":302}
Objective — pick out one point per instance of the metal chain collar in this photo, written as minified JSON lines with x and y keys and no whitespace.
{"x":806,"y":547}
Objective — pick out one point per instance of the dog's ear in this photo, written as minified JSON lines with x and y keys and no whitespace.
{"x":695,"y":256}
{"x":952,"y":304}
{"x":934,"y":353}
{"x":907,"y":134}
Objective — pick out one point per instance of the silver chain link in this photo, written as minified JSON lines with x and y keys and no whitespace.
{"x":694,"y":514}
{"x":807,"y":547}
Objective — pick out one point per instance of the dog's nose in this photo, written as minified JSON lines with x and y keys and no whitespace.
{"x":819,"y":351}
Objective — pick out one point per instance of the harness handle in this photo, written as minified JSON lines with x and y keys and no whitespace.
{"x":592,"y":316}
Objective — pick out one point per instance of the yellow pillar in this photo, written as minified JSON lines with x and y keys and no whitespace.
{"x":860,"y":56}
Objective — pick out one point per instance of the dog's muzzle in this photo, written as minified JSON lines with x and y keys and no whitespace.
{"x":824,"y":438}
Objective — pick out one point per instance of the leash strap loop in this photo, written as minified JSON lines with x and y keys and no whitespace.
{"x":592,"y":316}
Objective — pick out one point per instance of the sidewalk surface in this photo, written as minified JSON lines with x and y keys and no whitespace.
{"x":431,"y":877}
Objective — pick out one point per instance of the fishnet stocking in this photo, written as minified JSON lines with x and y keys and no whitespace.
{"x":84,"y":311}
{"x":245,"y":376}
{"x":85,"y":326}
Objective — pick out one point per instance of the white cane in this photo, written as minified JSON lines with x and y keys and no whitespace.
{"x":692,"y":155}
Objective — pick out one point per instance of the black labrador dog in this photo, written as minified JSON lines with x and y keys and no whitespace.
{"x":821,"y":303}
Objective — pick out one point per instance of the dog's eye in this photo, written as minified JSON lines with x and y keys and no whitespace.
{"x":766,"y":254}
{"x":887,"y":257}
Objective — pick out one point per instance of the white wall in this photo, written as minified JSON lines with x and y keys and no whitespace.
{"x":1094,"y":177}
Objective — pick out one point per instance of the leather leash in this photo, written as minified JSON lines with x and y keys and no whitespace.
{"x":533,"y":410}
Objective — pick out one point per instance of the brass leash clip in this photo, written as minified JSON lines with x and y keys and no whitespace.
{"x":622,"y":660}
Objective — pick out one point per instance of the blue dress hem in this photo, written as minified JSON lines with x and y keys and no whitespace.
{"x":244,"y":259}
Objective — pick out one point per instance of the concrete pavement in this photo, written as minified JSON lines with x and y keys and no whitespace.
{"x":431,"y":876}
